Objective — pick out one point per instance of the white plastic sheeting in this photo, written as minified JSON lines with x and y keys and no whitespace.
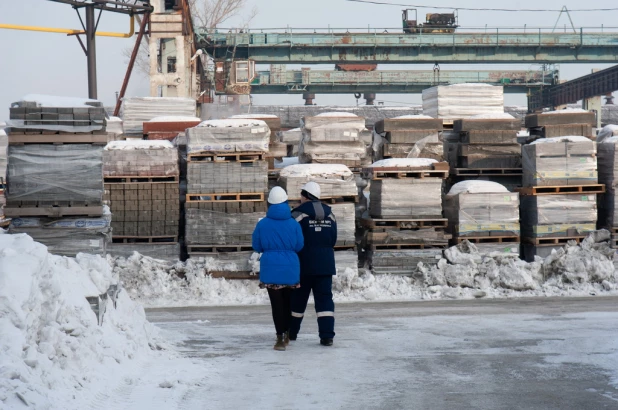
{"x":462,"y":100}
{"x":231,"y":135}
{"x":137,"y":110}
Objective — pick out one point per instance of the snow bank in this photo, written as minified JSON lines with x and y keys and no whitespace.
{"x":134,"y":144}
{"x":404,"y":162}
{"x":175,"y":118}
{"x":477,"y":187}
{"x":566,"y":138}
{"x":51,"y":346}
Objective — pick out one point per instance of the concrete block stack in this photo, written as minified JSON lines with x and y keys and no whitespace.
{"x":558,"y":200}
{"x":339,"y":191}
{"x":137,"y":110}
{"x":486,"y":148}
{"x":484,"y":213}
{"x":561,"y":123}
{"x":54,"y":173}
{"x":401,"y":134}
{"x":227,"y":182}
{"x":335,"y":138}
{"x":276,"y":148}
{"x":405,"y":223}
{"x":291,"y":139}
{"x":142,"y":190}
{"x":168,"y":127}
{"x":452,"y":102}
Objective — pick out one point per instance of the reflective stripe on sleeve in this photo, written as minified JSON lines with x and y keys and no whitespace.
{"x":294,"y":314}
{"x":323,"y":314}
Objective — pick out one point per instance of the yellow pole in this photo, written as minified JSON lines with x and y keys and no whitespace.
{"x":71,"y":31}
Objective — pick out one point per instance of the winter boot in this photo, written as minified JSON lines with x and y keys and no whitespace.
{"x":326,"y":341}
{"x":292,"y":336}
{"x":280,"y":345}
{"x":286,"y":338}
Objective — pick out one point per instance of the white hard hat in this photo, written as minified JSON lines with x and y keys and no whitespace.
{"x":312,"y":188}
{"x":277,"y":195}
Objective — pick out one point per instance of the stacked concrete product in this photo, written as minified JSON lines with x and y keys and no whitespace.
{"x":405,"y":224}
{"x":401,"y":134}
{"x":142,"y":190}
{"x":558,"y":200}
{"x":54,"y":173}
{"x":484,"y":213}
{"x":335,"y":138}
{"x":486,"y":148}
{"x":561,"y":123}
{"x":608,"y":175}
{"x":458,"y":101}
{"x":168,"y":127}
{"x":291,"y":139}
{"x":338,"y":190}
{"x":227,"y":180}
{"x":137,"y":110}
{"x":276,"y":148}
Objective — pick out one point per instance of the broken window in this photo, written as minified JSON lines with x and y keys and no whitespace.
{"x":170,"y":4}
{"x":242,"y":72}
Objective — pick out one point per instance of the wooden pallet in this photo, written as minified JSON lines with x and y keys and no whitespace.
{"x":404,"y":223}
{"x":227,"y":197}
{"x":163,"y":240}
{"x":138,"y":179}
{"x":437,"y":170}
{"x":557,"y":240}
{"x":57,"y":139}
{"x":487,"y":239}
{"x":53,"y":211}
{"x":226,"y":156}
{"x":486,"y":171}
{"x":210,"y":249}
{"x":562,"y":189}
{"x":404,"y":246}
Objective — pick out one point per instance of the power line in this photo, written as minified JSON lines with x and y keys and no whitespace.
{"x":381,"y":3}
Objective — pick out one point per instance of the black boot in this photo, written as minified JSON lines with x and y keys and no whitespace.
{"x":286,"y":338}
{"x":280,"y":345}
{"x":327,"y":341}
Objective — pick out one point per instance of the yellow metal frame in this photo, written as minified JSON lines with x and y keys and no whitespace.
{"x":71,"y":31}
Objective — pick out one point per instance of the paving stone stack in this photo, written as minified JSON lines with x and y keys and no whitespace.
{"x":338,"y":190}
{"x":227,"y":182}
{"x":405,"y":223}
{"x":142,"y":190}
{"x":276,"y":148}
{"x":561,"y":123}
{"x":291,"y":138}
{"x":558,"y":200}
{"x":137,"y":110}
{"x":54,"y":173}
{"x":452,"y":102}
{"x":401,"y":134}
{"x":486,"y":148}
{"x":334,"y":138}
{"x":484,"y":213}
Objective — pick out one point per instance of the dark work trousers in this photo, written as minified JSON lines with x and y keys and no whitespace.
{"x":324,"y":305}
{"x":280,"y":304}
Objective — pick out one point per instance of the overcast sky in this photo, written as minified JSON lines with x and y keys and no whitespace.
{"x":46,"y":63}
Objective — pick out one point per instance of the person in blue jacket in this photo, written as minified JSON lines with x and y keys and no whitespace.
{"x":278,"y":238}
{"x":317,"y":263}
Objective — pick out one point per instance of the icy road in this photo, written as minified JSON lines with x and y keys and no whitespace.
{"x":542,"y":353}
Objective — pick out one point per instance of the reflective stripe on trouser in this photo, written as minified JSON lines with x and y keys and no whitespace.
{"x":324,"y":305}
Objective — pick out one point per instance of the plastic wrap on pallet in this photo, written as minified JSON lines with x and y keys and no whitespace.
{"x":402,"y":262}
{"x":428,"y":147}
{"x":325,"y":119}
{"x":137,"y":110}
{"x":610,"y":130}
{"x":346,"y":222}
{"x":70,"y":172}
{"x":462,"y":100}
{"x":406,"y":197}
{"x":608,"y":211}
{"x":559,"y":161}
{"x":607,"y":162}
{"x":140,"y":158}
{"x":293,"y":136}
{"x":331,"y":152}
{"x":227,"y":177}
{"x":492,"y":248}
{"x":333,"y":133}
{"x":218,"y":228}
{"x":67,"y":236}
{"x":335,"y":180}
{"x":165,"y":251}
{"x":558,"y":209}
{"x":472,"y":207}
{"x":231,"y":135}
{"x":346,"y":260}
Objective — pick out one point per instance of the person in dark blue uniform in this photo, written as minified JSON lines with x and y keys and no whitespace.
{"x":278,"y":238}
{"x":317,"y":263}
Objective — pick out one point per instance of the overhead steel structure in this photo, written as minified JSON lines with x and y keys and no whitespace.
{"x":393,"y":82}
{"x":485,"y":45}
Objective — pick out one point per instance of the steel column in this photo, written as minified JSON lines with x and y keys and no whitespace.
{"x":91,"y":53}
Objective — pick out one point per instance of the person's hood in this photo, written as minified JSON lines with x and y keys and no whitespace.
{"x":279,"y":211}
{"x":309,"y":208}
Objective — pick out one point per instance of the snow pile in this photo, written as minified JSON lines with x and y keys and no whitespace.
{"x":404,"y":162}
{"x":566,"y":138}
{"x":51,"y":346}
{"x":138,"y":144}
{"x":477,"y":187}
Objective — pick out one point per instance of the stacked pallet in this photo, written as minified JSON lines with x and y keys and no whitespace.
{"x":137,"y":110}
{"x":142,"y":190}
{"x":561,"y":123}
{"x":405,"y":224}
{"x":558,"y":200}
{"x":276,"y":148}
{"x":486,"y":148}
{"x":401,"y":134}
{"x":608,"y":175}
{"x":458,"y":101}
{"x":484,"y":213}
{"x":54,"y":187}
{"x":291,"y":139}
{"x":227,"y":179}
{"x":338,"y":190}
{"x":334,"y":138}
{"x":168,"y":127}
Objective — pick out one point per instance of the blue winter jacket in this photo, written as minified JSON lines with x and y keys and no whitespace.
{"x":278,"y":238}
{"x":320,"y":231}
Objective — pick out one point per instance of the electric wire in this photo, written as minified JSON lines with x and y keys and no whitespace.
{"x":381,"y":3}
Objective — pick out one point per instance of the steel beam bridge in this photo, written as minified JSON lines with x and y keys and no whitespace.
{"x":591,"y":85}
{"x":393,"y":82}
{"x":497,"y":45}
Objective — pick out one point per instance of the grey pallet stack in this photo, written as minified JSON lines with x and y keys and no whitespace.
{"x":488,"y":219}
{"x":561,"y":123}
{"x":486,"y":149}
{"x":291,"y":139}
{"x":405,"y":224}
{"x":276,"y":148}
{"x":558,"y":199}
{"x":401,"y":135}
{"x":137,"y":110}
{"x":608,"y":175}
{"x":227,"y":184}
